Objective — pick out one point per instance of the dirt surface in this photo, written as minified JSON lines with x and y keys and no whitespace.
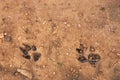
{"x":54,"y":29}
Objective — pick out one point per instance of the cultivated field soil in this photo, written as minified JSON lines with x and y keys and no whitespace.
{"x":59,"y":39}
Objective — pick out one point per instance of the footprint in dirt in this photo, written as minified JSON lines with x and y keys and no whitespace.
{"x":72,"y":73}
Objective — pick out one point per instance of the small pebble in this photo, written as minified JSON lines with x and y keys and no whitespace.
{"x":26,"y":30}
{"x":67,"y":54}
{"x":26,"y":73}
{"x":36,"y":56}
{"x":92,"y":49}
{"x":10,"y":65}
{"x":54,"y":73}
{"x":102,"y":8}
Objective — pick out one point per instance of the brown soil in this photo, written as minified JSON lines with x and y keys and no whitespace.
{"x":56,"y":28}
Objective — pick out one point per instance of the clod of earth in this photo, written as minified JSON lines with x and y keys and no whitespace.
{"x":102,"y":8}
{"x":60,"y":63}
{"x":36,"y":56}
{"x":82,"y":59}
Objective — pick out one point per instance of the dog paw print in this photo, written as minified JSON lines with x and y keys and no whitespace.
{"x":93,"y":58}
{"x":25,"y":52}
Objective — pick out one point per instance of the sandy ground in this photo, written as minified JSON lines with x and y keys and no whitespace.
{"x":57,"y":28}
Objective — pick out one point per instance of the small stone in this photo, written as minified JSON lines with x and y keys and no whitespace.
{"x":44,"y":66}
{"x":79,"y":25}
{"x":67,"y":54}
{"x":65,"y":22}
{"x":10,"y":65}
{"x":102,"y":8}
{"x":26,"y":30}
{"x":92,"y":49}
{"x":25,"y":73}
{"x":5,"y":33}
{"x":54,"y":73}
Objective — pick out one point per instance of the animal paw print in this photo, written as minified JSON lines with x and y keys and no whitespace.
{"x":25,"y":52}
{"x":92,"y":58}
